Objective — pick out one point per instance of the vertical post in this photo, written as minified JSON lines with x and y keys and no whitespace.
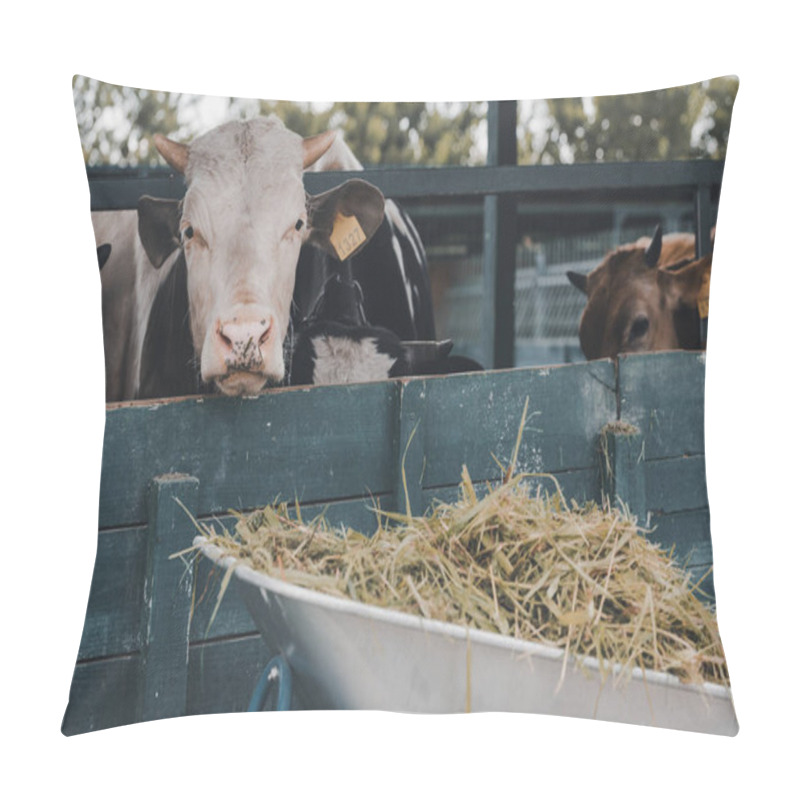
{"x":410,"y":453}
{"x":622,"y":468}
{"x":702,"y":210}
{"x":618,"y":217}
{"x":499,"y":241}
{"x":167,"y":598}
{"x":540,"y":311}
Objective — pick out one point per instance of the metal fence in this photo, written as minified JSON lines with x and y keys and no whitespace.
{"x":501,"y":294}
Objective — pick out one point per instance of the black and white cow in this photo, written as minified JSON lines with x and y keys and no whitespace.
{"x":245,"y":253}
{"x":336,"y":343}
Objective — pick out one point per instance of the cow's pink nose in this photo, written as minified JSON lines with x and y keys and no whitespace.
{"x":240,"y":340}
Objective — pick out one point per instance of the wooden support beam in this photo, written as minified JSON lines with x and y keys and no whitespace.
{"x":167,"y":598}
{"x":622,"y":468}
{"x":410,"y":453}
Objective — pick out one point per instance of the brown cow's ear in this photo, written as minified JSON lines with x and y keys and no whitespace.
{"x":342,"y":220}
{"x":578,"y":280}
{"x":683,"y":285}
{"x":159,"y":228}
{"x":653,"y":252}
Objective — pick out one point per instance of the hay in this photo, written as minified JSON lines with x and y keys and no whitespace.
{"x":516,"y":562}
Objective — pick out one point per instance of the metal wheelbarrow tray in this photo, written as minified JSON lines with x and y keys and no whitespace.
{"x":349,"y":655}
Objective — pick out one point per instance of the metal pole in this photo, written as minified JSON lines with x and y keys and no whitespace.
{"x":499,"y":242}
{"x":702,"y":211}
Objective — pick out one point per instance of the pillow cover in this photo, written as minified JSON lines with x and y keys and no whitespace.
{"x":504,"y":356}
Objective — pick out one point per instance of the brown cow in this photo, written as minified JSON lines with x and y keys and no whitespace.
{"x":644,"y":296}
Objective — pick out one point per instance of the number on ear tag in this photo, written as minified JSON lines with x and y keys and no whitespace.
{"x":346,"y":236}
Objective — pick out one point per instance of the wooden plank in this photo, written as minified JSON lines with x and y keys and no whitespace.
{"x":329,"y":442}
{"x":579,"y":485}
{"x":663,"y":394}
{"x":167,"y":598}
{"x":232,"y":618}
{"x":103,"y":694}
{"x":409,"y":453}
{"x":688,"y":532}
{"x":676,"y":484}
{"x":113,"y":614}
{"x":113,"y":618}
{"x":471,"y":417}
{"x":621,"y":458}
{"x":222,"y":675}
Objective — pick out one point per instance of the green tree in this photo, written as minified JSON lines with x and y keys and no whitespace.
{"x":116,"y":124}
{"x":679,"y":123}
{"x":393,"y":133}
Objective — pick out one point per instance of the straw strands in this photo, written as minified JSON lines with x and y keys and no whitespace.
{"x":514,"y":561}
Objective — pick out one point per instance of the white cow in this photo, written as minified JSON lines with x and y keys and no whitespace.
{"x":240,"y":228}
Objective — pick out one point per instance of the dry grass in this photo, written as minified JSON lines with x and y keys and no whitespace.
{"x":514,"y":561}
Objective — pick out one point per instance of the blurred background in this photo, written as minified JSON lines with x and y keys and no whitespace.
{"x":116,"y":125}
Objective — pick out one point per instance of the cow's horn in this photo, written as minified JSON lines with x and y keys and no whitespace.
{"x":315,"y":146}
{"x":653,"y":252}
{"x":174,"y":153}
{"x":578,"y":280}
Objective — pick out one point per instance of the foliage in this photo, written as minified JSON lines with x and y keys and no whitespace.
{"x":678,"y":123}
{"x":116,"y":125}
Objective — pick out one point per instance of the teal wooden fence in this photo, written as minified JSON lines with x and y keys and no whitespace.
{"x":631,"y":428}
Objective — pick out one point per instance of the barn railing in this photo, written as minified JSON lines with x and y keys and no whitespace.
{"x":502,"y":183}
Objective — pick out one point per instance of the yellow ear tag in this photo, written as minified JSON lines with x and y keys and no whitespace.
{"x":703,"y":294}
{"x":346,"y":236}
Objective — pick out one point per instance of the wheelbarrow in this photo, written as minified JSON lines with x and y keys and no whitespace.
{"x":334,"y":653}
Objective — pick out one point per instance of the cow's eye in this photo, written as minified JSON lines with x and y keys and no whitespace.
{"x":292,"y":230}
{"x":640,"y":327}
{"x":188,"y":232}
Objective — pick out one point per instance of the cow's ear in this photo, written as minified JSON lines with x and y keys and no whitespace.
{"x":159,"y":227}
{"x":344,"y":219}
{"x":578,"y":280}
{"x":653,"y":252}
{"x":684,"y":286}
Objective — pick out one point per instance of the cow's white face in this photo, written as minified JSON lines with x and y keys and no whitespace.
{"x":243,"y":220}
{"x":242,"y":226}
